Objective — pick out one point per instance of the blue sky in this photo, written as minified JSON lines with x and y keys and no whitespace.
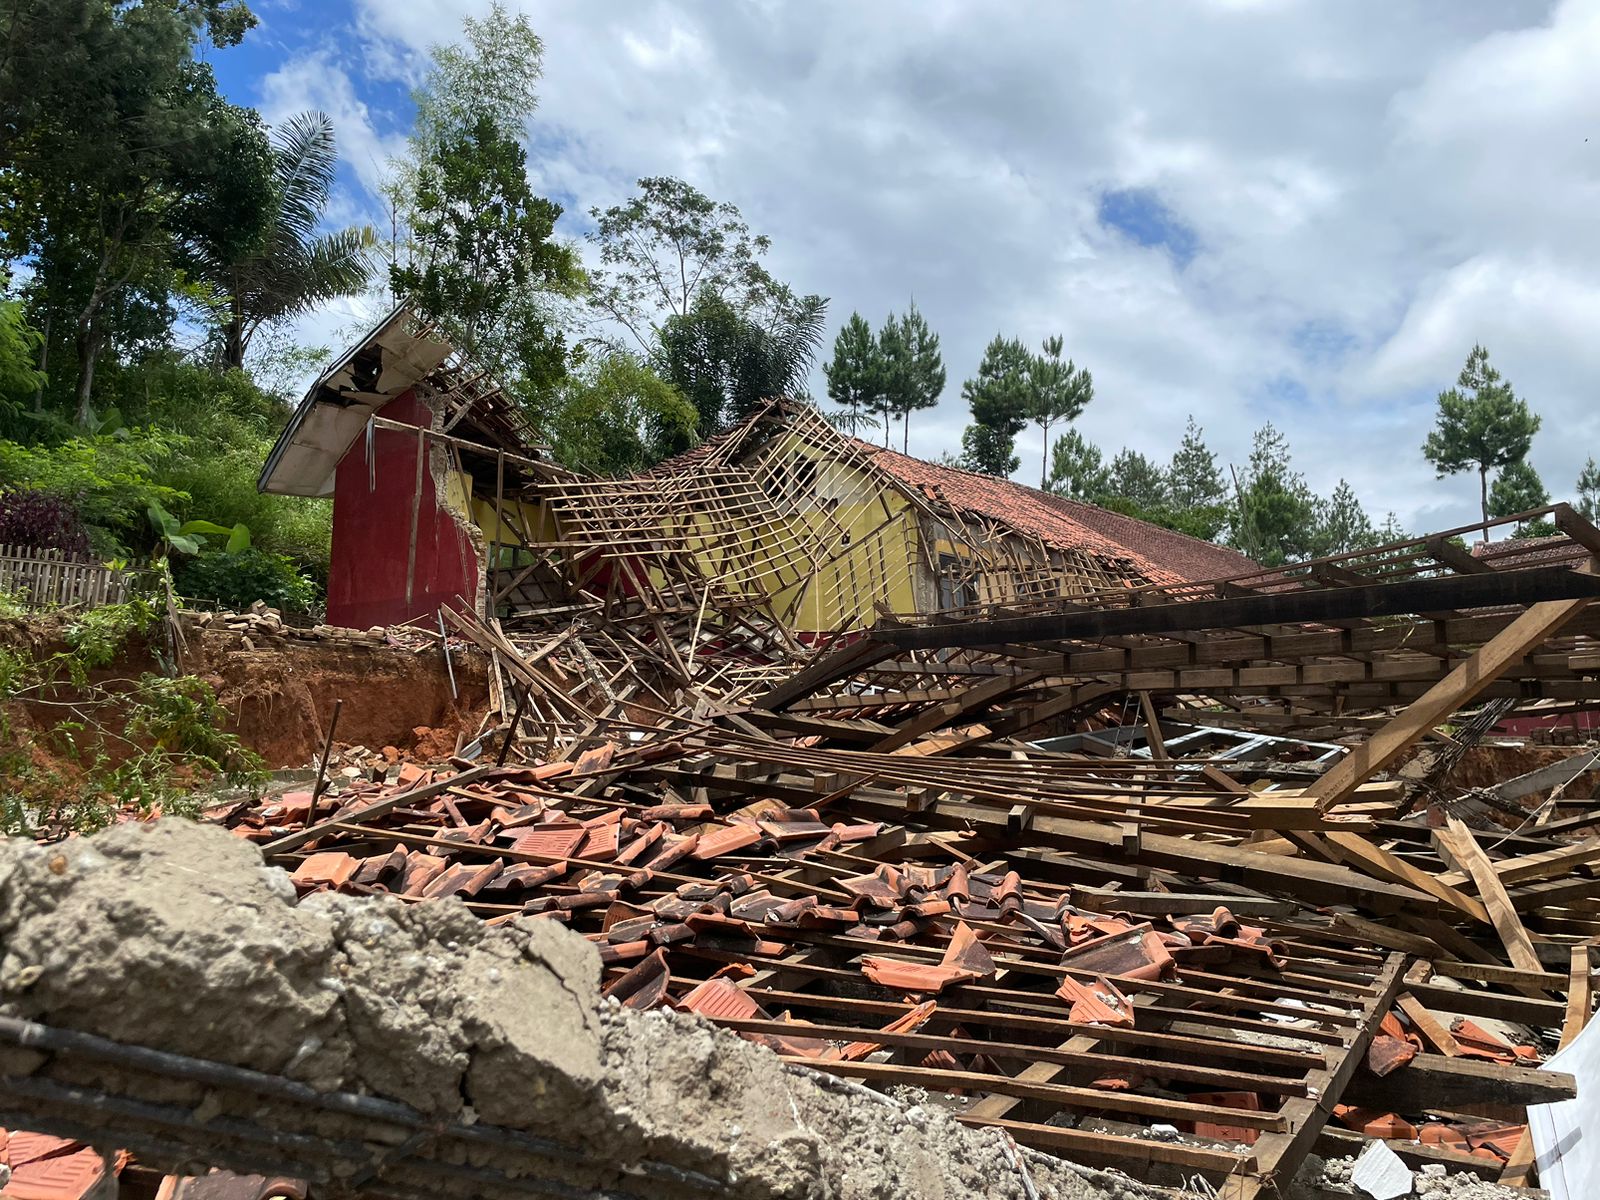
{"x":1247,"y":210}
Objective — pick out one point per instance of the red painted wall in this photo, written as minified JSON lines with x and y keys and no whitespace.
{"x":372,"y":533}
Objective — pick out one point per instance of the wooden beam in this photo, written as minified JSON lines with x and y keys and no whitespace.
{"x":1457,"y":839}
{"x":1462,"y":685}
{"x":1533,"y":586}
{"x":1580,"y":996}
{"x":1435,"y":1082}
{"x":1280,"y":1154}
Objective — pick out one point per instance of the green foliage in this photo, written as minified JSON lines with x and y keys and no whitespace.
{"x":478,"y":251}
{"x":138,"y":743}
{"x":1276,"y":518}
{"x":1587,"y":491}
{"x":726,"y":363}
{"x":196,"y":450}
{"x":855,"y":376}
{"x":666,"y":249}
{"x":236,"y":579}
{"x":112,"y":479}
{"x":1060,"y":392}
{"x":1077,"y":469}
{"x":1137,"y":481}
{"x":1000,"y":397}
{"x":1481,"y":425}
{"x":483,"y":242}
{"x":618,"y":416}
{"x":294,"y":268}
{"x":912,"y":370}
{"x":129,"y":168}
{"x":1342,"y":524}
{"x":1518,"y":488}
{"x":96,"y":636}
{"x":988,"y":451}
{"x":20,"y":344}
{"x":1194,"y":481}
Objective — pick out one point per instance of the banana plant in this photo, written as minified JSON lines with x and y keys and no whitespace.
{"x":188,"y":537}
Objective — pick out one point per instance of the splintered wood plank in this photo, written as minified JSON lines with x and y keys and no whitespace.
{"x":1462,"y":685}
{"x":1502,"y":913}
{"x":1429,"y":1026}
{"x":1545,"y":864}
{"x":1383,"y":865}
{"x":1580,"y":995}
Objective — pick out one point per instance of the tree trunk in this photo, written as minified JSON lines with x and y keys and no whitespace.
{"x":89,"y":341}
{"x":1483,"y":499}
{"x":905,"y":434}
{"x":1044,"y":463}
{"x":233,"y":345}
{"x":887,"y":416}
{"x":44,"y":365}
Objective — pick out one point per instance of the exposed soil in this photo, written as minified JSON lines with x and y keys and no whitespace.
{"x":1485,"y":766}
{"x":279,"y":690}
{"x":281,"y":694}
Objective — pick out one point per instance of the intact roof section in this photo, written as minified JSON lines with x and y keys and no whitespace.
{"x":1161,"y":555}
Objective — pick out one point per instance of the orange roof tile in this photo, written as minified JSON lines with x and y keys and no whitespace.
{"x":1160,"y":555}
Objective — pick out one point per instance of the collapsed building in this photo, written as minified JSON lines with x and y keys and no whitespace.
{"x":1089,"y":839}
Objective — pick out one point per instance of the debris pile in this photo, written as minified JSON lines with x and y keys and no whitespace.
{"x":1157,"y":881}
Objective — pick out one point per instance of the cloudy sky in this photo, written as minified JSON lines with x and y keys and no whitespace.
{"x":1296,"y":212}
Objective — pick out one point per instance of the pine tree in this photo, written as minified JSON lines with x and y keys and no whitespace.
{"x":1481,"y":425}
{"x":855,"y":376}
{"x":1516,"y":489}
{"x":1059,"y":391}
{"x":1276,"y":518}
{"x":921,"y":375}
{"x":985,"y":449}
{"x":1588,"y":492}
{"x":1194,"y":481}
{"x":1077,"y":469}
{"x":1343,"y":525}
{"x":999,"y":397}
{"x":894,"y":359}
{"x":1138,"y":482}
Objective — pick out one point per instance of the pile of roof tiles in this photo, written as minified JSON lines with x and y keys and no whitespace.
{"x":901,"y":952}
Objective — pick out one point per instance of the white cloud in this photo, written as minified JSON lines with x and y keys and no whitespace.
{"x":1371,"y":190}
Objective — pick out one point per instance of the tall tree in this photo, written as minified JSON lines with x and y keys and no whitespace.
{"x":127,"y":162}
{"x":481,"y":256}
{"x":1138,"y":481}
{"x":668,"y":246}
{"x":988,"y":451}
{"x":616,"y":415}
{"x":1000,"y":398}
{"x":1077,"y":469}
{"x":1194,"y":481}
{"x":1587,"y":498}
{"x":1060,"y":392}
{"x":921,"y":375}
{"x":726,"y":363}
{"x":855,"y":376}
{"x":1518,"y":488}
{"x":894,"y":373}
{"x":1342,"y":523}
{"x":1481,"y":425}
{"x":297,"y":269}
{"x":1276,"y":515}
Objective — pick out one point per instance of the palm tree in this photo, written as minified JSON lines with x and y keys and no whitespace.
{"x":296,"y":269}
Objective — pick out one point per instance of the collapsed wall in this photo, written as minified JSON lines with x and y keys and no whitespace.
{"x":431,"y":1054}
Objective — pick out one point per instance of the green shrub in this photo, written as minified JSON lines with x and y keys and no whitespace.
{"x":238,"y":580}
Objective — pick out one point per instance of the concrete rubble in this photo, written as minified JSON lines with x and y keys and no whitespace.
{"x":177,"y":937}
